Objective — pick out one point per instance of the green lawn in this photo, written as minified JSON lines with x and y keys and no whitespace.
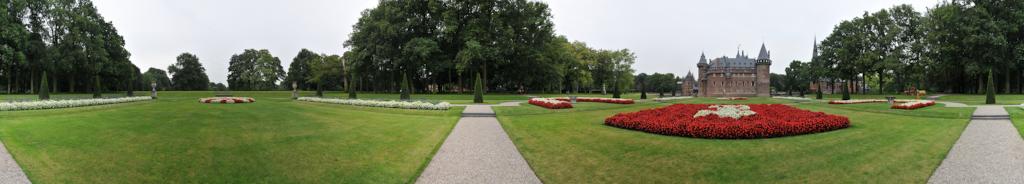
{"x":970,"y":99}
{"x":177,"y":140}
{"x":1017,"y":115}
{"x":881,"y":146}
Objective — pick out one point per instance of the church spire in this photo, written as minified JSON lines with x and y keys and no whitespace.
{"x":814,"y":50}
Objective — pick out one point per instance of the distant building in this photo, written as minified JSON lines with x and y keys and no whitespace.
{"x":741,"y":76}
{"x":688,"y":86}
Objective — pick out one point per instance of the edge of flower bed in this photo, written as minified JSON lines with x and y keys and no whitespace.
{"x":419,"y":105}
{"x":61,"y":104}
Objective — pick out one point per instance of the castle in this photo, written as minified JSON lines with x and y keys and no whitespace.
{"x":741,"y":76}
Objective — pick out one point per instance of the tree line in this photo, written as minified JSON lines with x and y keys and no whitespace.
{"x":61,"y":46}
{"x":441,"y":45}
{"x":954,"y":47}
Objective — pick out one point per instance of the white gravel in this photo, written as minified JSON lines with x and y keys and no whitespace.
{"x":478,"y":151}
{"x":10,"y":172}
{"x":988,"y":151}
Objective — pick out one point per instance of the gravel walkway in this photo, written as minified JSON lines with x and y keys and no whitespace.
{"x":990,"y":150}
{"x":10,"y":172}
{"x":478,"y":151}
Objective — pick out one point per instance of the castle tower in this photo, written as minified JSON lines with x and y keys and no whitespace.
{"x":687,"y":85}
{"x":702,"y":68}
{"x":764,"y":62}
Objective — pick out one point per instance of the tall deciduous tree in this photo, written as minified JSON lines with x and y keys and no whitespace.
{"x":254,"y":70}
{"x":188,"y":74}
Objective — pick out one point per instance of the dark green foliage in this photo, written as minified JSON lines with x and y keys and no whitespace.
{"x":478,"y":90}
{"x":163,"y":83}
{"x":254,"y":70}
{"x":990,"y":93}
{"x":351,"y":87}
{"x":188,"y":74}
{"x":44,"y":88}
{"x":405,"y":89}
{"x":641,"y":80}
{"x":97,"y":90}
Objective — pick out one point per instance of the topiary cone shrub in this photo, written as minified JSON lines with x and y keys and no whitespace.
{"x":990,"y":90}
{"x":351,"y":87}
{"x":405,"y":89}
{"x":478,"y":90}
{"x":44,"y":89}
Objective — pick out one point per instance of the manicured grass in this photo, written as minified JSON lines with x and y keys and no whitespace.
{"x":881,"y":145}
{"x":177,"y":140}
{"x":971,"y":99}
{"x":1017,"y":116}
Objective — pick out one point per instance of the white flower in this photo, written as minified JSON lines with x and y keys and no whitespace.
{"x":731,"y":111}
{"x":56,"y":104}
{"x":379,"y":103}
{"x":791,"y":98}
{"x":672,"y":98}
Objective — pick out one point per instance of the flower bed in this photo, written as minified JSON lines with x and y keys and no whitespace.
{"x":227,"y":100}
{"x":914,"y":104}
{"x":56,"y":104}
{"x":728,"y":121}
{"x":381,"y":103}
{"x":550,"y":103}
{"x":732,"y":98}
{"x":672,"y":98}
{"x":899,"y":104}
{"x":791,"y":98}
{"x":595,"y":99}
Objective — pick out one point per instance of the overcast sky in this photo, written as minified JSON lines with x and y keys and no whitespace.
{"x":666,"y":35}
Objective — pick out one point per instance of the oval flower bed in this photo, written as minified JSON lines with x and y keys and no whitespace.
{"x":596,"y":99}
{"x":550,"y":103}
{"x":56,"y":104}
{"x":728,"y":121}
{"x":380,"y":103}
{"x":227,"y":100}
{"x":732,"y":98}
{"x":899,"y":104}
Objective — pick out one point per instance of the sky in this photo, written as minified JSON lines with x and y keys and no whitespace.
{"x":667,"y":36}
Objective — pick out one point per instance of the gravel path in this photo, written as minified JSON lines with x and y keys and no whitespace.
{"x":478,"y":151}
{"x":10,"y":172}
{"x":990,"y":150}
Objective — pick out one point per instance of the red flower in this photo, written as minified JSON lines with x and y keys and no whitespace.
{"x":602,"y":100}
{"x":771,"y":120}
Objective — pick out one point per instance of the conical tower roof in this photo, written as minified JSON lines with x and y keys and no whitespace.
{"x":764,"y":53}
{"x":703,"y":60}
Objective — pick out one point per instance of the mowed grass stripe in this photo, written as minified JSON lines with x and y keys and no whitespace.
{"x":882,"y":147}
{"x":180,"y":140}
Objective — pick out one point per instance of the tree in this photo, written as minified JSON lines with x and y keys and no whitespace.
{"x":405,"y":89}
{"x":44,"y":88}
{"x":640,"y":80}
{"x":254,"y":70}
{"x":990,"y":93}
{"x":188,"y":73}
{"x":159,"y":76}
{"x":351,"y":87}
{"x":322,"y":69}
{"x":478,"y":90}
{"x":299,"y":70}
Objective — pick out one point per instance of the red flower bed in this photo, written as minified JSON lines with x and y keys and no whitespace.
{"x":770,"y":120}
{"x":550,"y":103}
{"x":602,"y":100}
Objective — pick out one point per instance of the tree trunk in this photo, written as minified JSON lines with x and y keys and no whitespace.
{"x":832,"y":85}
{"x":1007,"y":82}
{"x":880,"y":82}
{"x":71,"y":83}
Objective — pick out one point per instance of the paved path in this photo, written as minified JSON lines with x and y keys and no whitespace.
{"x":478,"y":151}
{"x":990,"y":150}
{"x":10,"y":172}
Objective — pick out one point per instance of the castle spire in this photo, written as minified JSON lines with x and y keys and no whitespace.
{"x":814,"y":50}
{"x":764,"y":54}
{"x":703,"y":60}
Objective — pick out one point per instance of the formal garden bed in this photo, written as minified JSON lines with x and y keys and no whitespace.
{"x":672,"y":98}
{"x":550,"y":103}
{"x":791,"y":98}
{"x":381,"y":103}
{"x":56,"y":104}
{"x":897,"y":104}
{"x":733,"y":98}
{"x":728,"y":121}
{"x":598,"y":99}
{"x":227,"y":100}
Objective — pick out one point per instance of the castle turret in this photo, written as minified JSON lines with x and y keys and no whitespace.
{"x":702,"y":69}
{"x":763,"y":63}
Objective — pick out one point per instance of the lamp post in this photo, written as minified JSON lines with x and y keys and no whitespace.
{"x":152,"y":92}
